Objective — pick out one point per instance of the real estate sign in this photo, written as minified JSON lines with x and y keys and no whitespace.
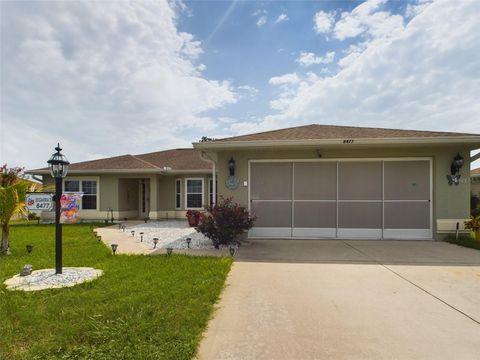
{"x":39,"y":201}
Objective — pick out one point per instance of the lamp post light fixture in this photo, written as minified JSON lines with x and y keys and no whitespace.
{"x":114,"y":248}
{"x":29,"y":248}
{"x":169,"y":251}
{"x":189,"y":240}
{"x":231,"y":166}
{"x":141,"y":237}
{"x":133,"y":233}
{"x":231,"y":249}
{"x":457,"y":163}
{"x":58,"y":165}
{"x":155,"y":242}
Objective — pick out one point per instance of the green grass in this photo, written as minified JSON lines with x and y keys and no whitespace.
{"x":143,"y":307}
{"x":464,"y":240}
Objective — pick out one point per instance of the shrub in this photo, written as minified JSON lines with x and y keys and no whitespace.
{"x":475,"y":205}
{"x":33,"y":216}
{"x":225,"y":221}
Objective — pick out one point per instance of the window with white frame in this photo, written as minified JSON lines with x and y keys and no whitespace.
{"x":210,"y":191}
{"x":194,"y":193}
{"x":89,"y":189}
{"x":178,"y":194}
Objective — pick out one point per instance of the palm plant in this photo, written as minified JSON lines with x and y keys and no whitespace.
{"x":13,"y":190}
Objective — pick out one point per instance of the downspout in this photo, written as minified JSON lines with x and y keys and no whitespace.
{"x":205,"y":157}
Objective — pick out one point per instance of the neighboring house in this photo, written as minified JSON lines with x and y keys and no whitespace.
{"x":475,"y":179}
{"x":157,"y":185}
{"x":314,"y":181}
{"x":347,"y":182}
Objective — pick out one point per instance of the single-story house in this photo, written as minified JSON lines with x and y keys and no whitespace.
{"x":475,"y":180}
{"x":158,"y":185}
{"x":314,"y":181}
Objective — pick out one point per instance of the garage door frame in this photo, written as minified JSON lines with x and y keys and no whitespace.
{"x":403,"y":234}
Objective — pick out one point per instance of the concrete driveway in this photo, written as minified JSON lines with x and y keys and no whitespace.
{"x":306,"y":299}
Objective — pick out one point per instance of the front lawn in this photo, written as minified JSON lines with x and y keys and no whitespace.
{"x":143,"y":307}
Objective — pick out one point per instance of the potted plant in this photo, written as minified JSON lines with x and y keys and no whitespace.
{"x":473,"y":224}
{"x":193,"y":217}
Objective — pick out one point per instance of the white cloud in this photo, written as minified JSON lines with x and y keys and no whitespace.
{"x":422,"y":77}
{"x":323,"y":21}
{"x":291,"y":78}
{"x":102,"y":77}
{"x":248,"y":90}
{"x":309,"y":58}
{"x":369,"y":20}
{"x":281,"y":18}
{"x":413,"y":10}
{"x":262,"y":21}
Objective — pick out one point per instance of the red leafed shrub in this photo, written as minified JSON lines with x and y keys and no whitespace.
{"x":224,"y":221}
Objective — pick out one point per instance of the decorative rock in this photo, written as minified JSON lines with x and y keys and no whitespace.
{"x":26,"y":270}
{"x":47,"y":279}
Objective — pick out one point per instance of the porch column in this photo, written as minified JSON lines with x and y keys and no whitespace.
{"x":153,"y":214}
{"x":214,"y":183}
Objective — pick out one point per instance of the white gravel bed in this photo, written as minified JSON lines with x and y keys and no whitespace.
{"x":171,"y":234}
{"x":47,"y":279}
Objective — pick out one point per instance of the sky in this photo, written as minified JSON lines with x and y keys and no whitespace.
{"x":109,"y":78}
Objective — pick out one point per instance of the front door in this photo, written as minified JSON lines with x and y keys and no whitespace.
{"x":144,"y":198}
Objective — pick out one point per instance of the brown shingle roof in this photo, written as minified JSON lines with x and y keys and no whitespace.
{"x":176,"y":159}
{"x":317,"y":132}
{"x":475,"y":172}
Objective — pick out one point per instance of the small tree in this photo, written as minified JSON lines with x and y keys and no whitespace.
{"x":13,"y":190}
{"x":225,"y":221}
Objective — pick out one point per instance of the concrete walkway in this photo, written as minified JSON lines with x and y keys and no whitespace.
{"x":126,"y":244}
{"x":294,"y":299}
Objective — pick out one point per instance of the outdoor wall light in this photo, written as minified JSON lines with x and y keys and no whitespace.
{"x":231,"y":166}
{"x":189,"y":240}
{"x":231,"y":249}
{"x":29,"y":248}
{"x":457,"y":164}
{"x":169,"y":251}
{"x":155,"y":242}
{"x":141,"y":237}
{"x":58,"y":166}
{"x":114,"y":248}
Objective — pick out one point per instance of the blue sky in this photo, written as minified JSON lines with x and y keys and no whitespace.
{"x":111,"y":78}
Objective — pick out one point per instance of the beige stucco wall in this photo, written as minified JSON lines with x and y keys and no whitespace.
{"x":449,"y":202}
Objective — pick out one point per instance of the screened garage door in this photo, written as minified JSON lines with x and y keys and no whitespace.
{"x":373,"y":199}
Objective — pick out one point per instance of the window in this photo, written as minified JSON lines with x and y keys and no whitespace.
{"x":210,"y":191}
{"x":194,"y":193}
{"x":89,"y":189}
{"x":178,"y":194}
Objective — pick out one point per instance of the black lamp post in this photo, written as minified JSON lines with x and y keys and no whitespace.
{"x":58,"y":165}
